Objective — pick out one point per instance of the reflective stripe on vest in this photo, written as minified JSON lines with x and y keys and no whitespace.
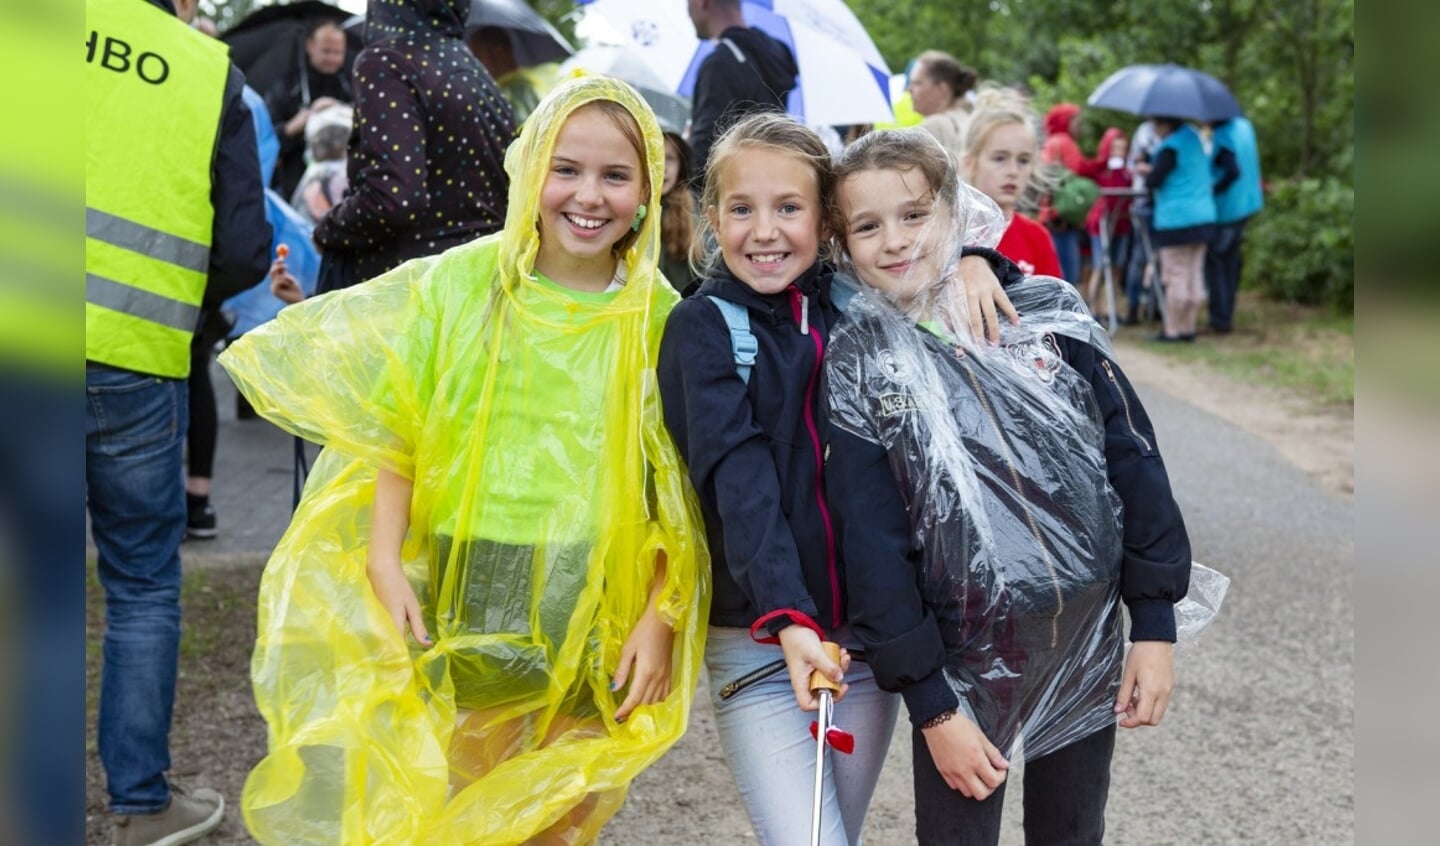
{"x":157,"y":87}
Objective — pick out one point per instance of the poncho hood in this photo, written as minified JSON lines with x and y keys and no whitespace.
{"x":527,"y":162}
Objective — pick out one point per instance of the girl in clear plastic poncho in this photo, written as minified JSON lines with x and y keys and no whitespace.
{"x":995,"y":505}
{"x":497,"y":485}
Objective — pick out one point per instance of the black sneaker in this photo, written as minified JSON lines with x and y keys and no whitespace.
{"x":200,"y":525}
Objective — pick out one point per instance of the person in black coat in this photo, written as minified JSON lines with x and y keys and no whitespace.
{"x":427,"y":156}
{"x":749,"y":72}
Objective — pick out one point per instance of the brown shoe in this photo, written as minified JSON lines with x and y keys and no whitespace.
{"x":189,"y":816}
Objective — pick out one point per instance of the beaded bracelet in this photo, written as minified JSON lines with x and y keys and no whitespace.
{"x":939,"y":719}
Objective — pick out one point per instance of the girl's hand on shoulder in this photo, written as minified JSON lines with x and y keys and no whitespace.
{"x":392,"y":588}
{"x":966,"y":758}
{"x":803,"y":656}
{"x":1147,"y":684}
{"x":645,"y":663}
{"x":985,"y":298}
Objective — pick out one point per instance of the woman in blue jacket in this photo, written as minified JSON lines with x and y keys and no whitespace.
{"x":1179,"y":178}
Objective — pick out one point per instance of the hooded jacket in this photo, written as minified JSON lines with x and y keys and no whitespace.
{"x":426,"y":158}
{"x":1060,"y":149}
{"x":755,"y":450}
{"x":545,"y":491}
{"x":748,"y":72}
{"x":1106,"y":177}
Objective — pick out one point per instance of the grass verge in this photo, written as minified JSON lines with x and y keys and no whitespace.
{"x":1304,"y":349}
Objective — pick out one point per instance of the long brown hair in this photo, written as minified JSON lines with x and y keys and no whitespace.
{"x":677,"y":208}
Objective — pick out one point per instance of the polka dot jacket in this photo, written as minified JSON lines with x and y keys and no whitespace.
{"x":426,"y":156}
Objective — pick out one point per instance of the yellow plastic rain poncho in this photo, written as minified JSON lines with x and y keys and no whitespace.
{"x":544,"y":486}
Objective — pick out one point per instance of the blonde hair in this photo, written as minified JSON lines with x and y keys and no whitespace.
{"x":996,"y":107}
{"x":765,"y":130}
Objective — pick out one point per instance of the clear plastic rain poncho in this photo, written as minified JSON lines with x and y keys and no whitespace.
{"x":998,"y":452}
{"x":544,"y":488}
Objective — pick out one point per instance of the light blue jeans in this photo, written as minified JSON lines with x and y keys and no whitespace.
{"x":766,"y":739}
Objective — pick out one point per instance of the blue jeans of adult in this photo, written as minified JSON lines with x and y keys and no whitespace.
{"x":1065,"y":796}
{"x":766,"y":740}
{"x":1067,"y":248}
{"x":134,"y":435}
{"x":1222,"y":273}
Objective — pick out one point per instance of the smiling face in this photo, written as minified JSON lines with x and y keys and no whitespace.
{"x":896,"y":233}
{"x":1001,"y":168}
{"x":768,"y":217}
{"x":594,"y":187}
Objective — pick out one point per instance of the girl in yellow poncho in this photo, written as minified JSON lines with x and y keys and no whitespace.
{"x":498,"y":487}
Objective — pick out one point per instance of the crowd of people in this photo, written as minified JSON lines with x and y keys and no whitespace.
{"x":604,"y":402}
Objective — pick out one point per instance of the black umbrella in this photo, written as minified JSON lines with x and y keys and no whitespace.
{"x":1166,"y":91}
{"x":532,"y":39}
{"x":269,"y":44}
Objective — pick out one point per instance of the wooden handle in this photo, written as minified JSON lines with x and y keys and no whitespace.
{"x":820,"y":681}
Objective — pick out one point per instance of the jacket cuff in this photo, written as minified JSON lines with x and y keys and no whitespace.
{"x":1152,"y":619}
{"x":781,"y":620}
{"x":1007,"y":271}
{"x":929,"y":697}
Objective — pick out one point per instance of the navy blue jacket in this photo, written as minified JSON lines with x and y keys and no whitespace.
{"x":902,"y":638}
{"x":240,"y":234}
{"x":757,"y":75}
{"x":755,"y":451}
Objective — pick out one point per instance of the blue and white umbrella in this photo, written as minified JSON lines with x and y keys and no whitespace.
{"x":843,"y":78}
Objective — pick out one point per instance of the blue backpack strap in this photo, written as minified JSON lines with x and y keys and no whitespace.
{"x":841,"y":292}
{"x":742,"y":341}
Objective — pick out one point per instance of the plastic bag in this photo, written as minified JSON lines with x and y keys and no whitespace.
{"x":545,"y":490}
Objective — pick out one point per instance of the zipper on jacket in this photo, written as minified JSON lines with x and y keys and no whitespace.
{"x":1105,"y":363}
{"x":800,"y":308}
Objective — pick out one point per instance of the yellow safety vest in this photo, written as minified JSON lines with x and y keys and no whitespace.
{"x":154,"y":89}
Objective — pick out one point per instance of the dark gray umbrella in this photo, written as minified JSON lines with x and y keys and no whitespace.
{"x":1166,"y":91}
{"x":532,"y":39}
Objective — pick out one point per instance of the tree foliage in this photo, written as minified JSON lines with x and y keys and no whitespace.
{"x":1290,"y":63}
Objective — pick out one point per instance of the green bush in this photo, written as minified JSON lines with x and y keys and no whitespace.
{"x":1301,"y":247}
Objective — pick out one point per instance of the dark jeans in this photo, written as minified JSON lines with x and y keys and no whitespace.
{"x":44,"y":585}
{"x":1135,"y":269}
{"x":134,"y":432}
{"x":1065,"y":795}
{"x":1222,"y":273}
{"x":1067,"y":248}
